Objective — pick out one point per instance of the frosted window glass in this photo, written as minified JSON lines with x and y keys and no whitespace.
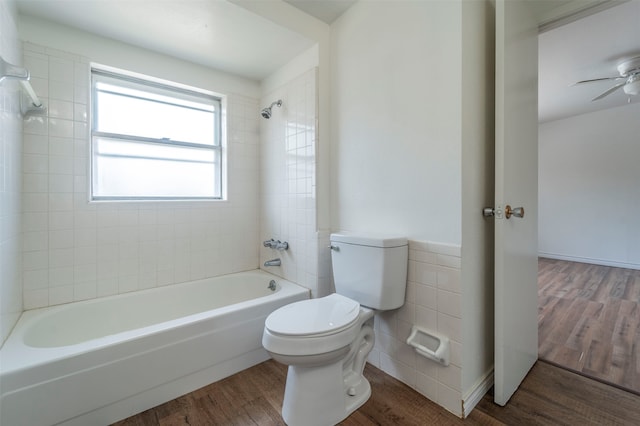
{"x":152,"y":141}
{"x":138,"y":170}
{"x":137,"y":116}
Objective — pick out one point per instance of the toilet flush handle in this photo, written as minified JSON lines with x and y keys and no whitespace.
{"x":332,"y":247}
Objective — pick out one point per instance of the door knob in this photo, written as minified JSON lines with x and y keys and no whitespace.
{"x":491,"y":212}
{"x":513,"y":211}
{"x":508,"y":212}
{"x":488,"y":212}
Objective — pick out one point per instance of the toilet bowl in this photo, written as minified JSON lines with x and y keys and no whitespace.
{"x":325,"y":342}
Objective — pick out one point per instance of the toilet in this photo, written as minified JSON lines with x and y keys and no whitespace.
{"x":326,"y":341}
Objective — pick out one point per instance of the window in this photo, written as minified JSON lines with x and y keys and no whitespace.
{"x":153,"y":141}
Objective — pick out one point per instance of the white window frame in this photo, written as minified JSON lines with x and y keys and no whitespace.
{"x":160,"y":87}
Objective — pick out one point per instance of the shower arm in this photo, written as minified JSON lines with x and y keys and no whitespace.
{"x":266,"y":112}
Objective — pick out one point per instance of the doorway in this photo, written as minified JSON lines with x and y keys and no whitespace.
{"x":589,"y":235}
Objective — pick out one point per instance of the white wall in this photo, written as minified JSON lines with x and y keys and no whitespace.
{"x":588,"y":187}
{"x":405,"y":119}
{"x":395,"y":103}
{"x":10,"y":177}
{"x":76,"y":250}
{"x":291,"y":70}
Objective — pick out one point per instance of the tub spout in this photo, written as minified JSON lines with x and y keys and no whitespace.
{"x":272,"y":262}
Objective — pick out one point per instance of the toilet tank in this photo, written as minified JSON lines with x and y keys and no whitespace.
{"x":369,"y":269}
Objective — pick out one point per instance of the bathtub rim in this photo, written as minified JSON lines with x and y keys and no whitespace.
{"x":16,"y":356}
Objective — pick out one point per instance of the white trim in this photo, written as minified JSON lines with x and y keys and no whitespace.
{"x":590,"y":260}
{"x":477,"y":391}
{"x":571,"y":11}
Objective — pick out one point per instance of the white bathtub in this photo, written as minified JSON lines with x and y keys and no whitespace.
{"x":99,"y":361}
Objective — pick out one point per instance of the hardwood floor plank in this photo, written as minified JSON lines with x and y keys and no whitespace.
{"x":598,"y":360}
{"x":631,"y":372}
{"x":177,"y":419}
{"x":589,"y":319}
{"x":145,"y":418}
{"x":565,"y":398}
{"x":262,"y":413}
{"x":547,"y":396}
{"x":633,"y":289}
{"x":553,"y":315}
{"x":580,"y":334}
{"x":566,"y":320}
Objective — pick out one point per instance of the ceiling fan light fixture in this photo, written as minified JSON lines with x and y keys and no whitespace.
{"x":632,"y":87}
{"x":629,"y":67}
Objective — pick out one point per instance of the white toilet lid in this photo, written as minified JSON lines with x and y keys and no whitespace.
{"x":326,"y":315}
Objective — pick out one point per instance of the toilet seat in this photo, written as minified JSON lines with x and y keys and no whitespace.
{"x":314,"y":317}
{"x":314,"y":326}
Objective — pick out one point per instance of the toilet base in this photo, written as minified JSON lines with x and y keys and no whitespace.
{"x":326,"y":395}
{"x":311,"y":397}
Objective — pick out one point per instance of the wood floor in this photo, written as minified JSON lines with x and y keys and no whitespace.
{"x":548,"y":396}
{"x":589,"y":320}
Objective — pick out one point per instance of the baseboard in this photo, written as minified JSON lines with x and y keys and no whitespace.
{"x":602,"y":262}
{"x":477,"y":391}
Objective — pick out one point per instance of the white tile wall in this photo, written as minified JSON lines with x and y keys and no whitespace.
{"x":287,"y":180}
{"x":76,"y":250}
{"x":10,"y":178}
{"x":432,"y":302}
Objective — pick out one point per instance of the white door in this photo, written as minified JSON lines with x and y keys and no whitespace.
{"x":516,"y":164}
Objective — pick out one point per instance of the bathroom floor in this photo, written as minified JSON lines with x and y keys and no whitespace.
{"x":548,"y":395}
{"x":589,"y":320}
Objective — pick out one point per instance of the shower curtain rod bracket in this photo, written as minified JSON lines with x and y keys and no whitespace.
{"x":8,"y":70}
{"x":29,"y":102}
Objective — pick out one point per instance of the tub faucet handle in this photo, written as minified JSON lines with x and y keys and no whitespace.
{"x":270,"y":243}
{"x":282,"y":245}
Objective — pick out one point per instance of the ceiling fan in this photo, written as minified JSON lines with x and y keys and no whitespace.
{"x":629,"y":79}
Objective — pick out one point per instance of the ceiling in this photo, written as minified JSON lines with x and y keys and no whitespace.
{"x":213,"y":33}
{"x":588,"y":48}
{"x":325,"y":10}
{"x":225,"y":36}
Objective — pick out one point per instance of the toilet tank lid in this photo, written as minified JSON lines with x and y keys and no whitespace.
{"x":373,"y":240}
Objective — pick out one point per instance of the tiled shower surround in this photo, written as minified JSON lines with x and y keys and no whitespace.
{"x":76,"y":250}
{"x":287,"y":181}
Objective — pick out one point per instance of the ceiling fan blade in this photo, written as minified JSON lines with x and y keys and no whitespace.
{"x":608,"y":92}
{"x":596,"y":79}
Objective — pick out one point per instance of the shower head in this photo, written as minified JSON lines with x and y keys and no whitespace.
{"x":266,"y":112}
